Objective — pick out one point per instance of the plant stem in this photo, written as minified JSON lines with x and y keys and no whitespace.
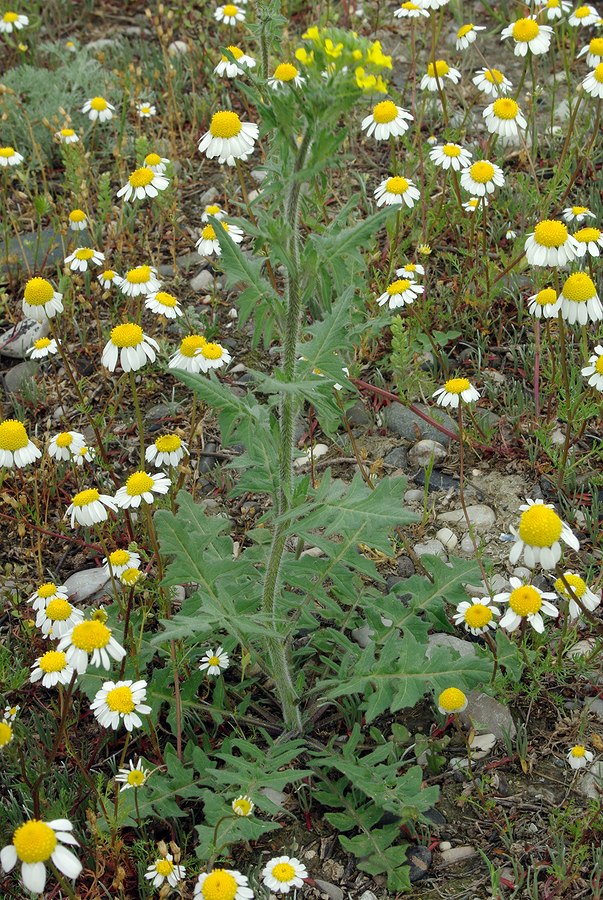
{"x":566,"y":389}
{"x":139,"y":422}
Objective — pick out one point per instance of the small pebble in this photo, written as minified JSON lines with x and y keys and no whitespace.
{"x":447,"y":537}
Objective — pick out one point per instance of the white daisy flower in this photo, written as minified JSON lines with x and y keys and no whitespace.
{"x":594,"y":371}
{"x":452,"y":701}
{"x":11,"y":712}
{"x":62,"y":445}
{"x":282,"y":873}
{"x":167,"y":450}
{"x":108,"y":278}
{"x":187,"y":357}
{"x":400,"y":292}
{"x":79,"y":260}
{"x":132,"y":776}
{"x":67,"y":136}
{"x":577,"y":213}
{"x":433,"y":4}
{"x":51,"y":669}
{"x":467,"y":34}
{"x":84,"y":455}
{"x":455,"y":390}
{"x":584,"y":16}
{"x":579,"y":757}
{"x":9,"y":157}
{"x":228,"y":138}
{"x":131,"y":346}
{"x":593,"y":83}
{"x":121,"y":701}
{"x":164,"y":304}
{"x":16,"y":449}
{"x":230,"y":69}
{"x":554,"y":9}
{"x":40,"y":300}
{"x":477,"y":615}
{"x":164,"y":869}
{"x":580,"y":589}
{"x":90,"y":643}
{"x":482,"y":178}
{"x":410,"y":270}
{"x":146,"y":110}
{"x":141,"y":487}
{"x":137,"y":281}
{"x":212,"y":356}
{"x":386,"y":120}
{"x":545,"y":304}
{"x":42,"y":347}
{"x":504,"y":117}
{"x":229,"y":14}
{"x":539,"y":535}
{"x":119,"y":560}
{"x":286,"y":74}
{"x":491,"y":81}
{"x":223,"y":884}
{"x":143,"y":182}
{"x":593,"y":52}
{"x":214,"y":662}
{"x":450,"y":156}
{"x":474,"y":203}
{"x":410,"y":10}
{"x":579,"y":300}
{"x":12,"y":21}
{"x":436,"y":73}
{"x":78,"y":220}
{"x":526,"y":602}
{"x":89,"y":507}
{"x":208,"y":244}
{"x":243,"y":806}
{"x":213,"y":210}
{"x":58,"y":617}
{"x":528,"y":34}
{"x":590,"y":240}
{"x":396,"y":191}
{"x":156,"y":163}
{"x":550,"y":244}
{"x":35,"y":843}
{"x":46,"y":593}
{"x":98,"y":109}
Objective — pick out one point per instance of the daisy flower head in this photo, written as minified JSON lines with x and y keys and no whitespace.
{"x":36,"y":843}
{"x":467,"y":34}
{"x":61,"y":446}
{"x":143,"y":182}
{"x":594,"y":371}
{"x":550,"y":244}
{"x":450,"y":156}
{"x":410,"y":10}
{"x":243,"y":806}
{"x":119,"y":560}
{"x":46,"y":593}
{"x":9,"y":157}
{"x":491,"y":81}
{"x":579,"y":300}
{"x":526,"y":602}
{"x":579,"y":589}
{"x":410,"y":270}
{"x":42,"y":347}
{"x":214,"y":661}
{"x":584,"y":16}
{"x":482,"y":178}
{"x":121,"y":702}
{"x":539,"y":535}
{"x":166,"y":450}
{"x":163,"y":304}
{"x":98,"y":109}
{"x":229,"y":14}
{"x":16,"y":449}
{"x":424,"y":249}
{"x":474,"y":203}
{"x":213,"y":210}
{"x":58,"y":617}
{"x":386,"y":120}
{"x":84,"y":454}
{"x":187,"y":356}
{"x":212,"y":356}
{"x":40,"y":300}
{"x":131,"y":346}
{"x":477,"y":615}
{"x":6,"y":734}
{"x":79,"y":260}
{"x":396,"y":191}
{"x":232,"y":68}
{"x":510,"y":235}
{"x":51,"y":669}
{"x":145,"y":109}
{"x":593,"y":83}
{"x":12,"y":21}
{"x":132,"y":776}
{"x":283,"y":873}
{"x":579,"y":757}
{"x":286,"y":74}
{"x":593,"y":52}
{"x":89,"y":507}
{"x":78,"y":220}
{"x":554,"y":9}
{"x":400,"y":292}
{"x":107,"y":278}
{"x":455,"y":390}
{"x":452,"y":701}
{"x":590,"y":240}
{"x":156,"y":163}
{"x":222,"y":884}
{"x":528,"y":34}
{"x":10,"y":713}
{"x":545,"y":304}
{"x":228,"y":138}
{"x":434,"y":4}
{"x":504,"y":117}
{"x":164,"y":869}
{"x":433,"y":80}
{"x":90,"y":643}
{"x":66,"y":136}
{"x":139,"y":280}
{"x":141,"y":487}
{"x":208,"y":244}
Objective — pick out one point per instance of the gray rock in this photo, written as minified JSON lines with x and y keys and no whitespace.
{"x":432,"y":547}
{"x":258,"y":175}
{"x":438,"y":481}
{"x":463,"y":648}
{"x":582,"y":648}
{"x":480,"y":516}
{"x":19,"y":377}
{"x":413,"y":496}
{"x":591,"y":783}
{"x":488,"y":715}
{"x":595,"y":706}
{"x":456,"y":855}
{"x":522,"y":572}
{"x":209,"y":196}
{"x":444,"y":845}
{"x":448,"y":538}
{"x":187,"y":260}
{"x":357,"y":415}
{"x":331,"y":890}
{"x":405,"y":566}
{"x":178,"y":48}
{"x":31,"y":251}
{"x":424,"y":451}
{"x":162,"y":411}
{"x":202,"y":282}
{"x":467,"y":545}
{"x":481,"y":744}
{"x":398,"y":457}
{"x":362,"y":635}
{"x":167,"y":270}
{"x":419,"y":860}
{"x":207,"y":462}
{"x":401,"y":420}
{"x":86,"y":584}
{"x":18,"y":339}
{"x":391,"y":581}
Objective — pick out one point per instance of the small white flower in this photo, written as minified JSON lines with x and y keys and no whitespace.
{"x":40,"y":300}
{"x":545,"y":304}
{"x":213,"y":210}
{"x":282,"y":873}
{"x":455,"y":390}
{"x":211,"y":355}
{"x":433,"y":80}
{"x":79,"y":260}
{"x":64,"y":444}
{"x":410,"y":270}
{"x":228,"y":138}
{"x":550,"y":244}
{"x":167,"y":450}
{"x":594,"y":371}
{"x":78,"y":220}
{"x":208,"y":244}
{"x":57,"y":618}
{"x":46,"y":593}
{"x":119,"y":560}
{"x":67,"y":136}
{"x":137,"y":281}
{"x":477,"y":615}
{"x":555,"y":9}
{"x":98,"y":109}
{"x":90,"y":643}
{"x":89,"y":507}
{"x":400,"y":292}
{"x":580,"y":590}
{"x":410,"y":10}
{"x":231,"y":69}
{"x":467,"y":34}
{"x":577,"y":213}
{"x":492,"y":81}
{"x":42,"y":347}
{"x":146,"y":110}
{"x":386,"y":120}
{"x":396,"y":191}
{"x":579,"y":757}
{"x":504,"y":117}
{"x":223,"y":883}
{"x":12,"y":21}
{"x":593,"y":52}
{"x":131,"y":346}
{"x":482,"y":178}
{"x":286,"y":74}
{"x":214,"y":661}
{"x":164,"y":869}
{"x":121,"y":701}
{"x":584,"y":16}
{"x":243,"y":806}
{"x":132,"y":776}
{"x":11,"y":713}
{"x":84,"y":455}
{"x":35,"y":843}
{"x":528,"y":34}
{"x":16,"y":449}
{"x":187,"y":356}
{"x":452,"y":701}
{"x":590,"y":240}
{"x":593,"y":83}
{"x":143,"y":182}
{"x":229,"y":14}
{"x":450,"y":156}
{"x":580,"y":302}
{"x":164,"y":304}
{"x":539,"y":535}
{"x":108,"y":278}
{"x":526,"y":602}
{"x":474,"y":203}
{"x":9,"y":157}
{"x":51,"y":668}
{"x":140,"y":487}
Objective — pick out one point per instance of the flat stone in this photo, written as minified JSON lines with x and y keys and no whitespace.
{"x":19,"y":377}
{"x":30,"y":250}
{"x":480,"y":516}
{"x":432,"y":547}
{"x":362,"y":635}
{"x":463,"y":648}
{"x":357,"y":414}
{"x":17,"y":340}
{"x":582,"y":648}
{"x":488,"y":715}
{"x":591,"y":782}
{"x":209,"y":196}
{"x":467,"y":544}
{"x":202,"y":282}
{"x":423,"y":452}
{"x":413,"y":496}
{"x":447,"y":537}
{"x":438,"y":481}
{"x":405,"y":566}
{"x":178,"y":48}
{"x":258,"y":175}
{"x":595,"y":706}
{"x":87,"y":583}
{"x":481,"y":745}
{"x":331,"y":890}
{"x":162,"y":411}
{"x":456,"y":855}
{"x":400,"y":420}
{"x":444,"y":845}
{"x":398,"y":457}
{"x":419,"y":860}
{"x":207,"y":461}
{"x":187,"y":260}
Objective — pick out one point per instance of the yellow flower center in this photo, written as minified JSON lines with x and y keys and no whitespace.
{"x":90,"y":636}
{"x":550,"y":233}
{"x":452,"y":699}
{"x":578,"y":751}
{"x":6,"y":734}
{"x":7,"y":152}
{"x":166,"y":299}
{"x":235,"y":51}
{"x":577,"y":584}
{"x":285,"y":72}
{"x":540,"y":526}
{"x":208,"y":233}
{"x":598,"y":73}
{"x":67,"y":132}
{"x":139,"y":483}
{"x":211,"y":351}
{"x":225,"y":124}
{"x":164,"y":867}
{"x":219,"y":885}
{"x":42,"y":343}
{"x":152,"y":159}
{"x":525,"y":600}
{"x":451,"y":150}
{"x":582,"y":12}
{"x":46,"y":590}
{"x":473,"y":203}
{"x":584,"y":235}
{"x":83,"y":498}
{"x":84,"y":253}
{"x":98,"y":103}
{"x":13,"y":435}
{"x":396,"y":185}
{"x":53,"y":661}
{"x":214,"y":660}
{"x":120,"y":700}
{"x":127,"y":335}
{"x":59,"y":610}
{"x":525,"y":30}
{"x":119,"y":557}
{"x":553,"y":4}
{"x":599,"y":365}
{"x":579,"y":210}
{"x":505,"y":108}
{"x":398,"y":287}
{"x":38,"y":291}
{"x":230,"y":10}
{"x":64,"y":439}
{"x":596,"y":46}
{"x":440,"y":68}
{"x":167,"y":443}
{"x":10,"y":17}
{"x":212,"y":210}
{"x":136,"y":778}
{"x":494,"y":76}
{"x":482,"y":172}
{"x":546,"y":297}
{"x":139,"y":275}
{"x":130,"y":576}
{"x":242,"y":806}
{"x":141,"y":177}
{"x":189,"y":345}
{"x":108,"y":275}
{"x":478,"y":615}
{"x":283,"y":872}
{"x":579,"y":288}
{"x":410,"y":5}
{"x":465,"y":30}
{"x":384,"y":112}
{"x":34,"y":841}
{"x":457,"y":385}
{"x":77,"y":215}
